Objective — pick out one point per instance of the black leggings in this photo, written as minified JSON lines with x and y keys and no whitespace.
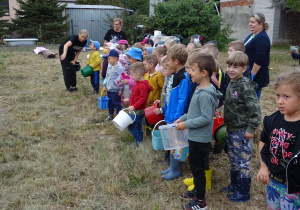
{"x":69,"y":73}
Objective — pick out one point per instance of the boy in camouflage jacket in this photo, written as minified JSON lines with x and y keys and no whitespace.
{"x":242,"y":116}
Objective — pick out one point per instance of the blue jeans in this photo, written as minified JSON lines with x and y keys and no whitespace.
{"x":95,"y":81}
{"x":136,"y":128}
{"x":114,"y":102}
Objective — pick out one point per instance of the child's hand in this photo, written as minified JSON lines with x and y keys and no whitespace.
{"x":157,"y":101}
{"x":104,"y":88}
{"x":177,"y":121}
{"x":127,"y":75}
{"x":124,"y":82}
{"x":263,"y":175}
{"x":120,"y":93}
{"x":156,"y":111}
{"x":249,"y":136}
{"x":130,"y":108}
{"x":180,"y":126}
{"x":126,"y":100}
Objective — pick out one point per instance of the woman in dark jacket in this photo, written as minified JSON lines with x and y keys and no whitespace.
{"x":69,"y":51}
{"x":257,"y":47}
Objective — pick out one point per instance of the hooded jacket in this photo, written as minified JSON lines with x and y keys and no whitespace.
{"x":199,"y":119}
{"x":95,"y":61}
{"x":156,"y":81}
{"x":139,"y":95}
{"x":112,"y":74}
{"x":241,"y":109}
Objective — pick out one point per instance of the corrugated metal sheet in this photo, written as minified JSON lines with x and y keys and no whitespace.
{"x":91,"y":17}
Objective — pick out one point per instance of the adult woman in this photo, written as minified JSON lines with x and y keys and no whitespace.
{"x":115,"y":34}
{"x":257,"y":47}
{"x":69,"y":51}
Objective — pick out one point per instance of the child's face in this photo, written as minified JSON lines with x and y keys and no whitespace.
{"x":230,"y":50}
{"x":131,"y":60}
{"x":112,"y":60}
{"x":167,"y":70}
{"x":189,"y":48}
{"x":145,"y":52}
{"x":92,"y":46}
{"x":123,"y":46}
{"x":159,"y":56}
{"x":172,"y":63}
{"x":148,"y":66}
{"x":235,"y":72}
{"x":288,"y":102}
{"x":188,"y":69}
{"x":196,"y":74}
{"x":135,"y":76}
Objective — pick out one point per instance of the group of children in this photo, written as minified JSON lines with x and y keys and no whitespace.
{"x":190,"y":87}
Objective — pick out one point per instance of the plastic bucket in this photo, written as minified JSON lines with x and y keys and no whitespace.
{"x":87,"y":71}
{"x":151,"y":117}
{"x":103,"y":101}
{"x":156,"y":139}
{"x":220,"y":135}
{"x":122,"y":120}
{"x":173,"y":138}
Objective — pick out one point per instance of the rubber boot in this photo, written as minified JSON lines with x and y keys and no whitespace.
{"x":233,"y":186}
{"x":243,"y":193}
{"x":208,"y":174}
{"x":176,"y":169}
{"x":169,"y":169}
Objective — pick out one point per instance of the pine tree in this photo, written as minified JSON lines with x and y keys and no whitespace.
{"x":3,"y":23}
{"x":88,"y":2}
{"x":40,"y":19}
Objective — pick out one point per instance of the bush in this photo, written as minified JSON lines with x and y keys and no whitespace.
{"x":187,"y":18}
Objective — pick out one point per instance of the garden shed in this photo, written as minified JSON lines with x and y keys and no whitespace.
{"x":94,"y":18}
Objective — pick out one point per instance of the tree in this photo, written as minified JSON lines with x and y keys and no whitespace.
{"x":42,"y":19}
{"x":187,"y":18}
{"x":3,"y":23}
{"x":292,"y":5}
{"x":88,"y":2}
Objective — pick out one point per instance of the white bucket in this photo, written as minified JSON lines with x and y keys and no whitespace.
{"x":122,"y":120}
{"x":157,"y":33}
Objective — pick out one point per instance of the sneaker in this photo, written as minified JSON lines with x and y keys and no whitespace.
{"x":95,"y":92}
{"x":109,"y":118}
{"x":134,"y":145}
{"x":188,"y":195}
{"x":195,"y":204}
{"x":139,"y":143}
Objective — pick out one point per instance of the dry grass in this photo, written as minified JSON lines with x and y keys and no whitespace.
{"x":58,"y":152}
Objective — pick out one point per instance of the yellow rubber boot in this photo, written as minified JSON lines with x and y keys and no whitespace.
{"x":188,"y":181}
{"x":208,"y":178}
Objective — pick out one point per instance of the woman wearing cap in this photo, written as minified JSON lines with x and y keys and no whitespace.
{"x":69,"y":51}
{"x":115,"y":34}
{"x":257,"y":47}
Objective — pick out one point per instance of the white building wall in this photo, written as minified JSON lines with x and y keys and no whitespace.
{"x":153,"y":2}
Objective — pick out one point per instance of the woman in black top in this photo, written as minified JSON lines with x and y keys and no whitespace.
{"x":115,"y":34}
{"x":69,"y":51}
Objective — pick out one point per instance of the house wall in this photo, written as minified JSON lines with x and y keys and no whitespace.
{"x":151,"y":8}
{"x":12,"y":4}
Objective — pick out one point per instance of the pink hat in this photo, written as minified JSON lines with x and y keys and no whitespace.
{"x":144,"y":41}
{"x":122,"y":41}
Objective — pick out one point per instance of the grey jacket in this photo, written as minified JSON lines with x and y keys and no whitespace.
{"x":199,"y":119}
{"x":112,"y":74}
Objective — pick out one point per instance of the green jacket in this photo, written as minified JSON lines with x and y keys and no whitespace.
{"x":241,"y":109}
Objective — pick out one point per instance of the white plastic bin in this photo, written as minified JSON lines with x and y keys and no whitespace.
{"x":173,"y":138}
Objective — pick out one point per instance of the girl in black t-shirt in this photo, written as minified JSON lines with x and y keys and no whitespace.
{"x":280,"y":146}
{"x":69,"y":51}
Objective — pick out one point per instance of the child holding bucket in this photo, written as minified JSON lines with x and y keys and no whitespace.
{"x":114,"y":92}
{"x":94,"y":61}
{"x":199,"y":124}
{"x":242,"y":117}
{"x":138,"y":101}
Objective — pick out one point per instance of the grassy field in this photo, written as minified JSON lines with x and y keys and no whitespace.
{"x":58,"y":152}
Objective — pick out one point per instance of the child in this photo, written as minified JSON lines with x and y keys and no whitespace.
{"x":155,"y":79}
{"x":114,"y":92}
{"x":147,"y":51}
{"x":138,"y":45}
{"x":199,"y":123}
{"x":124,"y":45}
{"x":95,"y":62}
{"x":138,"y":101}
{"x":242,"y":117}
{"x":281,"y":138}
{"x":178,"y":101}
{"x":147,"y":43}
{"x":192,"y":46}
{"x":160,"y":52}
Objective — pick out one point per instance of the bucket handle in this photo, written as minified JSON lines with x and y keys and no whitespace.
{"x":102,"y":93}
{"x":156,"y":125}
{"x":133,"y":113}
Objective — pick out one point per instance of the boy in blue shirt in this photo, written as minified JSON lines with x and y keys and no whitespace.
{"x":199,"y":123}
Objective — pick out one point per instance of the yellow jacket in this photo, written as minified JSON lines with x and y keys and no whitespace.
{"x":156,"y":81}
{"x":95,"y":61}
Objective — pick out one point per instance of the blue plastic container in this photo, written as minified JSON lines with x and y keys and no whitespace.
{"x":103,"y":101}
{"x":157,"y":141}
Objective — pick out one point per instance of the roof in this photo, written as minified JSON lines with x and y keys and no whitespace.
{"x":80,"y":6}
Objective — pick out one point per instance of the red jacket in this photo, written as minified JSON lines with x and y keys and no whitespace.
{"x":139,"y":95}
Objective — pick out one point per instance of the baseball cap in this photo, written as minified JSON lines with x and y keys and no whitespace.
{"x":113,"y":53}
{"x":122,"y":41}
{"x":135,"y":53}
{"x":96,"y":43}
{"x":147,"y":41}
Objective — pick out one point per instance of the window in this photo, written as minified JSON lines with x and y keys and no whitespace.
{"x":5,"y":5}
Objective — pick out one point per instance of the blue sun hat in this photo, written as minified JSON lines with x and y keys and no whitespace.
{"x":96,"y":43}
{"x":135,"y":53}
{"x":149,"y":49}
